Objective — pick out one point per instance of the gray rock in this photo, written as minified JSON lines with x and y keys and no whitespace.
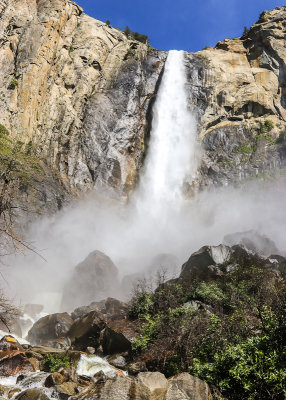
{"x":97,"y":274}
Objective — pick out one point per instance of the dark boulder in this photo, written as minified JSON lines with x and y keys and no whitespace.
{"x":115,"y":309}
{"x":51,"y":330}
{"x":85,"y":331}
{"x":93,"y":279}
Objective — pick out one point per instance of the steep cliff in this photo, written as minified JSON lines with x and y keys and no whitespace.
{"x":238,"y":92}
{"x":77,"y":92}
{"x":78,"y":95}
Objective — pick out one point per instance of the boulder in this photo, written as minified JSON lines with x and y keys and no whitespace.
{"x":32,"y":394}
{"x":202,"y":263}
{"x":51,"y":330}
{"x":151,"y":385}
{"x":54,"y":379}
{"x":115,"y":309}
{"x":85,"y":331}
{"x":118,"y":361}
{"x":97,"y":274}
{"x":212,"y":261}
{"x":66,"y":389}
{"x":12,"y":358}
{"x":115,"y":342}
{"x":184,"y":386}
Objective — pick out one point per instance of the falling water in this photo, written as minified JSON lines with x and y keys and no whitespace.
{"x":173,"y":151}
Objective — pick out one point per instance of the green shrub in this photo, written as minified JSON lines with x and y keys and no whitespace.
{"x":243,"y":149}
{"x":107,"y":22}
{"x":13,"y":84}
{"x":141,"y":306}
{"x":3,"y":131}
{"x":266,"y":127}
{"x":55,"y":361}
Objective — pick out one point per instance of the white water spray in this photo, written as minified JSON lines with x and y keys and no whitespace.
{"x":173,"y":151}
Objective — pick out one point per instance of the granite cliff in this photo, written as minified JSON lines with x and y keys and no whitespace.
{"x":79,"y":93}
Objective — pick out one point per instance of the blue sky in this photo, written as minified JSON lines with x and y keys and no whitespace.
{"x":180,"y":24}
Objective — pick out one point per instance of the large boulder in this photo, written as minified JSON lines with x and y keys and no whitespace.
{"x":51,"y":330}
{"x":85,"y":331}
{"x":213,"y":261}
{"x":184,"y":386}
{"x":93,"y":279}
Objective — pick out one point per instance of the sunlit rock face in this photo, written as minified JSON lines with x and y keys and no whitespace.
{"x":78,"y":91}
{"x":81,"y":94}
{"x":235,"y":88}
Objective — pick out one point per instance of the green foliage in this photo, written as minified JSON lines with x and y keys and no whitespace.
{"x":16,"y":162}
{"x":210,"y":292}
{"x":3,"y":131}
{"x":107,"y":22}
{"x":141,"y":305}
{"x":149,"y":332}
{"x":135,"y":35}
{"x":245,"y":31}
{"x":13,"y":84}
{"x":243,"y":149}
{"x":55,"y":361}
{"x":255,"y":368}
{"x":71,"y":49}
{"x":266,"y":127}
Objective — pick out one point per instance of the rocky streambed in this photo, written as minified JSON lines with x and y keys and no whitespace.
{"x":113,"y":350}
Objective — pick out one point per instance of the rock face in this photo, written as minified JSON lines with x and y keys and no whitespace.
{"x":79,"y":95}
{"x":93,"y":279}
{"x":235,"y":89}
{"x":80,"y":98}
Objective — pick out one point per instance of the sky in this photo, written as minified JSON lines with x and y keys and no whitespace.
{"x":180,"y":24}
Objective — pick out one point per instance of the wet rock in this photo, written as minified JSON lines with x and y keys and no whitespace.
{"x":8,"y":344}
{"x":185,"y":386}
{"x":85,"y":331}
{"x":66,"y":389}
{"x":32,"y":394}
{"x":118,"y":362}
{"x":15,"y":363}
{"x":90,"y":350}
{"x":115,"y":342}
{"x":80,"y":312}
{"x":137,"y":367}
{"x":54,"y":379}
{"x":115,"y":309}
{"x":35,"y":379}
{"x":13,"y":391}
{"x":97,"y":274}
{"x":37,"y":365}
{"x":3,"y":390}
{"x":69,"y":374}
{"x":51,"y":330}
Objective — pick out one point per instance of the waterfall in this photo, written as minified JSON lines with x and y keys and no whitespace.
{"x":173,"y":149}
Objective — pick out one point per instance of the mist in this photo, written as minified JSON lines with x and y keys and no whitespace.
{"x":157,"y":220}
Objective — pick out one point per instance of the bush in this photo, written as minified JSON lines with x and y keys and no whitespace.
{"x":54,"y":361}
{"x":137,"y":36}
{"x":13,"y":84}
